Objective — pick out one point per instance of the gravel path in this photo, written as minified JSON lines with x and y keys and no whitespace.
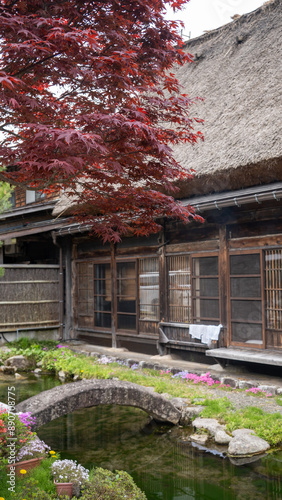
{"x":241,"y":399}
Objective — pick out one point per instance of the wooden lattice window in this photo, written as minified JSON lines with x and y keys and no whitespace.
{"x":273,"y":289}
{"x":179,"y":281}
{"x":149,"y":288}
{"x":85,"y":293}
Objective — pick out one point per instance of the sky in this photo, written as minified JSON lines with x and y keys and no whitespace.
{"x":201,"y":15}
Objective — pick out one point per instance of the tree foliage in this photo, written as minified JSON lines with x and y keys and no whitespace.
{"x":89,"y":101}
{"x":5,"y":196}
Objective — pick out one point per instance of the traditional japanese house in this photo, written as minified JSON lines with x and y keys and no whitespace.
{"x":211,"y":288}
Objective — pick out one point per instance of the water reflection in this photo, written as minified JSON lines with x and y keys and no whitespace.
{"x":161,"y":462}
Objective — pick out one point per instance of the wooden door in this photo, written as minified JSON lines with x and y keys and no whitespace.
{"x":246,"y":303}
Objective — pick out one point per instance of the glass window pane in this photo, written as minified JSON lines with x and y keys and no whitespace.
{"x":245,"y":264}
{"x":124,"y":305}
{"x":102,"y":304}
{"x":126,"y":322}
{"x":127,"y":288}
{"x":247,"y":310}
{"x":102,"y":320}
{"x":207,"y":308}
{"x":247,"y":333}
{"x":126,"y":270}
{"x":126,"y":295}
{"x":245,"y":287}
{"x":103,"y":297}
{"x":207,"y":287}
{"x":205,"y":266}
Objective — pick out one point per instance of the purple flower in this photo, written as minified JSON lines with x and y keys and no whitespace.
{"x":27,"y":419}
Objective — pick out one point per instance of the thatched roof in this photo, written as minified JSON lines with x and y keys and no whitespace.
{"x":238,"y":71}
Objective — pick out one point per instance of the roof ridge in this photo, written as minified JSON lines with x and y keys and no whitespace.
{"x":268,"y":5}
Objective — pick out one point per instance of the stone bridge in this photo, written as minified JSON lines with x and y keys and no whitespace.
{"x":54,"y":403}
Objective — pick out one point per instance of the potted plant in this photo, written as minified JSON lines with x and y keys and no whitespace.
{"x":69,"y":477}
{"x":30,"y":455}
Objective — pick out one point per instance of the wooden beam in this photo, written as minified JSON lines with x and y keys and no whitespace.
{"x":113,"y":294}
{"x":223,"y":277}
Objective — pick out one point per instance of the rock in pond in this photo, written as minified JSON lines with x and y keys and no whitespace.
{"x":199,"y":438}
{"x":19,"y":363}
{"x":244,"y":443}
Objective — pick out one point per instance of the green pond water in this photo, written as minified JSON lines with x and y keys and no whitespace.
{"x":161,"y":462}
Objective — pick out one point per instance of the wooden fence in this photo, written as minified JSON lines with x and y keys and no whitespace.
{"x":29,"y":297}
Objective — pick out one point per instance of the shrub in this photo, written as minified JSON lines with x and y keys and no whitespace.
{"x":68,"y":471}
{"x":107,"y":485}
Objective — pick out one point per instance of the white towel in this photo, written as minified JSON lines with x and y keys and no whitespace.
{"x":205,"y":333}
{"x":197,"y":331}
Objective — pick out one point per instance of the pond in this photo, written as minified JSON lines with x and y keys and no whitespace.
{"x":161,"y":462}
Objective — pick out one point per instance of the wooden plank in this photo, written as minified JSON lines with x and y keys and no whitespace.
{"x":265,"y":357}
{"x":256,"y":242}
{"x":192,"y":247}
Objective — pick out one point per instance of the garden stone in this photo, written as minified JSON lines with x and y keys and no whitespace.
{"x":18,"y":362}
{"x":18,"y":376}
{"x":221,"y":437}
{"x":244,"y":442}
{"x":39,"y":364}
{"x":229,"y":381}
{"x":37,"y":371}
{"x":8,"y":370}
{"x":243,"y":384}
{"x":62,"y":375}
{"x":279,"y":391}
{"x":188,"y":413}
{"x":211,"y":424}
{"x":76,"y":377}
{"x":268,"y":388}
{"x":199,"y":438}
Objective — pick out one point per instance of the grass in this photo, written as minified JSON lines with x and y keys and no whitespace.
{"x":27,"y":484}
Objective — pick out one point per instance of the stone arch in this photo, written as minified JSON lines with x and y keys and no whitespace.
{"x":60,"y":400}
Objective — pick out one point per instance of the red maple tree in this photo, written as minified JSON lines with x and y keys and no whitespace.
{"x":89,"y":101}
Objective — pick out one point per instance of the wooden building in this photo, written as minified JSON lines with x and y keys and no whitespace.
{"x":144,"y":294}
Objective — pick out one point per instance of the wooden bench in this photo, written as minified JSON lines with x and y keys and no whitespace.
{"x":177,"y":336}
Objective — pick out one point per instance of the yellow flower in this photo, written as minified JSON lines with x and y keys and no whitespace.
{"x":23,"y":471}
{"x":1,"y":498}
{"x":81,"y":371}
{"x":52,"y":452}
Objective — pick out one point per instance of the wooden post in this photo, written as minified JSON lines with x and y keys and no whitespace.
{"x":223,"y":281}
{"x":1,"y":253}
{"x":68,"y":290}
{"x":162,"y":279}
{"x":113,"y":294}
